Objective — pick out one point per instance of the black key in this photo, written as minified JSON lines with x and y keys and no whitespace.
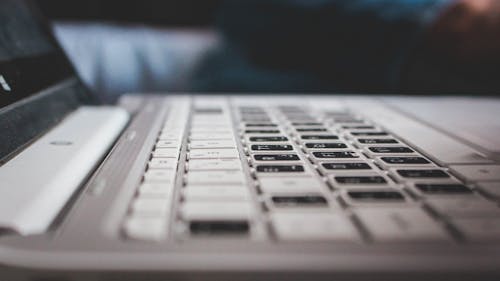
{"x":431,"y":173}
{"x":325,"y":145}
{"x":280,"y":168}
{"x":300,"y":119}
{"x":371,"y":196}
{"x":443,"y":188}
{"x":336,"y":154}
{"x":300,"y":201}
{"x":219,"y":227}
{"x":361,"y":180}
{"x":338,"y":113}
{"x":390,"y":149}
{"x":252,"y":120}
{"x":266,"y":139}
{"x":262,"y":131}
{"x":256,"y":117}
{"x":346,"y":166}
{"x":375,"y":141}
{"x":208,"y":110}
{"x":311,"y":130}
{"x":358,"y":127}
{"x":249,"y":108}
{"x":297,"y":114}
{"x":405,"y":160}
{"x":369,"y":133}
{"x":253,"y":110}
{"x":250,"y":112}
{"x":290,"y":108}
{"x":347,"y":119}
{"x":295,"y":111}
{"x":255,"y":114}
{"x":271,"y":147}
{"x":319,"y":137}
{"x":307,"y":124}
{"x":261,"y":125}
{"x":276,"y":157}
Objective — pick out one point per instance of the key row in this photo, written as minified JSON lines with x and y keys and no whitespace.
{"x":215,"y":197}
{"x":149,"y":212}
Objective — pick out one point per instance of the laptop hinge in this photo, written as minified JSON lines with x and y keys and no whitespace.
{"x":36,"y":184}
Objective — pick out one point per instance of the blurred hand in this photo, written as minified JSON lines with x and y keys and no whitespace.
{"x":468,"y":31}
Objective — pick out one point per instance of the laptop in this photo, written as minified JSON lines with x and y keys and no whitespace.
{"x":237,"y":187}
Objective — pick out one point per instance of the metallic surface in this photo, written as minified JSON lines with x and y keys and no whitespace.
{"x":87,"y":244}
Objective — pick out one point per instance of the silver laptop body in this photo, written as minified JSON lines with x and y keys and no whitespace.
{"x":233,"y":187}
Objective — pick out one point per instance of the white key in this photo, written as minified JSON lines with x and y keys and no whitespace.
{"x":166,"y":152}
{"x":163,"y":163}
{"x":155,"y":190}
{"x":313,"y":226}
{"x":159,"y":175}
{"x":212,"y":144}
{"x":205,"y":129}
{"x":201,"y":125}
{"x":279,"y":185}
{"x":199,"y":210}
{"x":400,"y":224}
{"x":479,"y":229}
{"x":168,"y":144}
{"x":146,"y":228}
{"x":216,"y":177}
{"x":213,"y":153}
{"x":214,"y":164}
{"x":177,"y":124}
{"x":206,"y":118}
{"x":210,"y":119}
{"x":170,"y":136}
{"x":155,"y":207}
{"x":211,"y":136}
{"x":491,"y":188}
{"x":221,"y":123}
{"x":216,"y":193}
{"x":464,"y":207}
{"x":477,"y":172}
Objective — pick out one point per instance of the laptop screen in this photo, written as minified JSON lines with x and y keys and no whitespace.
{"x":30,"y":60}
{"x":38,"y":86}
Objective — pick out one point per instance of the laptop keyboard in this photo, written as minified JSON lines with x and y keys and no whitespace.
{"x":289,"y":173}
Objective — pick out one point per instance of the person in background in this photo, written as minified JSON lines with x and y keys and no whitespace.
{"x":389,"y":46}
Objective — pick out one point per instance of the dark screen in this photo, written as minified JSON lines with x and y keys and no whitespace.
{"x":29,"y":60}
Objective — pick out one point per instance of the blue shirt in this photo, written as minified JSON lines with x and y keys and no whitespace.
{"x":328,"y":44}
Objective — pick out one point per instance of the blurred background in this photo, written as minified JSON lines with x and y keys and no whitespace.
{"x":320,"y":46}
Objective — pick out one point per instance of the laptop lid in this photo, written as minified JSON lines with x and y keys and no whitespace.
{"x":38,"y":85}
